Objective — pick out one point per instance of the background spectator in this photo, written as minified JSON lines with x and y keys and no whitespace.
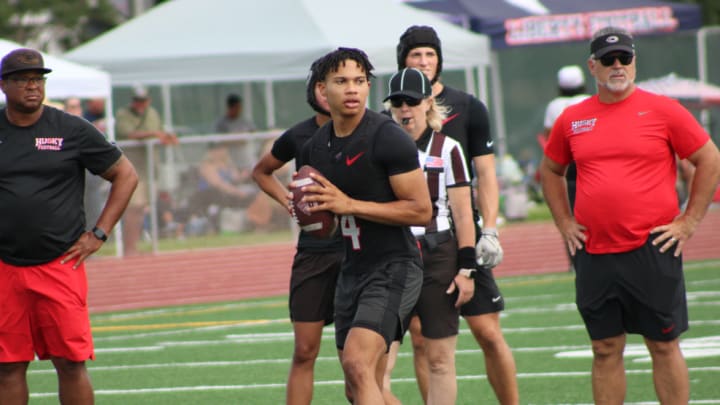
{"x":95,"y":113}
{"x":139,"y":121}
{"x":233,"y":120}
{"x":221,"y":184}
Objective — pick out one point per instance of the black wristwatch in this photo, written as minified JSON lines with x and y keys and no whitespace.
{"x":99,"y":233}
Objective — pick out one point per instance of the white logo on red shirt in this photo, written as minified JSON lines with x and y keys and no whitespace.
{"x":49,"y":143}
{"x":581,"y":126}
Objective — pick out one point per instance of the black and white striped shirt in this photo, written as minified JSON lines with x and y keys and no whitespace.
{"x":443,"y":162}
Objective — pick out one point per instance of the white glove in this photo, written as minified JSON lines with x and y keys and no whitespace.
{"x":488,"y":251}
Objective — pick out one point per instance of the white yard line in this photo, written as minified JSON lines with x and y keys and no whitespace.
{"x":241,"y":387}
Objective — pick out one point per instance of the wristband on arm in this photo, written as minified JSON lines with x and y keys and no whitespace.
{"x":466,"y":261}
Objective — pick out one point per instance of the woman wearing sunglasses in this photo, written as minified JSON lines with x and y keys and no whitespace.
{"x":448,"y":257}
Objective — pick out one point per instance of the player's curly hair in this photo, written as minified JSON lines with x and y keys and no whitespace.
{"x":314,"y":76}
{"x":332,"y":61}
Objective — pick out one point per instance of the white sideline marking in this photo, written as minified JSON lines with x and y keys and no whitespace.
{"x":692,"y":348}
{"x":160,"y":390}
{"x":328,"y":335}
{"x":191,"y":329}
{"x":708,"y":346}
{"x":566,"y":307}
{"x":185,"y":310}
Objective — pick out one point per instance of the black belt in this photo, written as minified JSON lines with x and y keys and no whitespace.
{"x":431,"y":240}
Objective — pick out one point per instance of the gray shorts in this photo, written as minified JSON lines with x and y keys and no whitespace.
{"x":378,"y":300}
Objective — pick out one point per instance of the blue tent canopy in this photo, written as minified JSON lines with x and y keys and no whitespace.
{"x":533,"y":22}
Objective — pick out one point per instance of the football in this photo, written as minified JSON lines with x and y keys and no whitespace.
{"x":321,"y":224}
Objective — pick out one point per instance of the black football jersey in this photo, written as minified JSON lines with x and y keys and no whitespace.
{"x":360,"y":165}
{"x":467,"y":122}
{"x":286,"y":148}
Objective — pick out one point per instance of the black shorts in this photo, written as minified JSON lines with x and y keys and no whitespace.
{"x":378,"y":300}
{"x":312,"y":286}
{"x":641,"y":291}
{"x":436,"y":308}
{"x":487,"y":298}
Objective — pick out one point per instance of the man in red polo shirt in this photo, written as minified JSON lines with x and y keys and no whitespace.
{"x":627,"y":234}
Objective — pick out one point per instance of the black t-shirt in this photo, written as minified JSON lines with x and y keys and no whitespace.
{"x":286,"y":148}
{"x":467,"y":122}
{"x":360,"y":165}
{"x":42,"y":183}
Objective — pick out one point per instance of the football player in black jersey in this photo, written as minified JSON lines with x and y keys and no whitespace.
{"x":373,"y":181}
{"x":468,"y":123}
{"x":317,"y":261}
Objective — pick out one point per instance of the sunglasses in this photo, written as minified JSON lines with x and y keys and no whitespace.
{"x":609,"y":60}
{"x":411,"y":102}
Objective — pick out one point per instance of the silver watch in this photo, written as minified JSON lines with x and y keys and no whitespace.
{"x":469,"y":273}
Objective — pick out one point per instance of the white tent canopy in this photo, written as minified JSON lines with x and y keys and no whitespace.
{"x":200,"y":41}
{"x":69,"y":79}
{"x":683,"y":88}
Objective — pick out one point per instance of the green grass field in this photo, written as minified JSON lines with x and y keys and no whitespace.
{"x":238,"y":352}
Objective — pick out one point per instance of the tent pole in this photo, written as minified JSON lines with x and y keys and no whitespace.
{"x":482,"y":83}
{"x":270,"y":104}
{"x":110,"y":133}
{"x":701,"y":41}
{"x":498,"y":110}
{"x":247,"y":108}
{"x":470,"y":82}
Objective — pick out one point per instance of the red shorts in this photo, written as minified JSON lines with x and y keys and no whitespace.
{"x":44,"y":312}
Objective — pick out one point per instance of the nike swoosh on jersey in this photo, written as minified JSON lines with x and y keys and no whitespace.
{"x":496,"y":299}
{"x":450,"y":118}
{"x":350,"y":160}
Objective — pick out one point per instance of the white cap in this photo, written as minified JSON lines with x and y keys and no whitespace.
{"x":140,"y":92}
{"x":570,"y":77}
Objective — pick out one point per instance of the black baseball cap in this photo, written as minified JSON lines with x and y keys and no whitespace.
{"x":21,"y":60}
{"x":610,"y":42}
{"x":409,"y":82}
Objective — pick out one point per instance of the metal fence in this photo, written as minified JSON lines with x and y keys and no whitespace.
{"x":182,"y":203}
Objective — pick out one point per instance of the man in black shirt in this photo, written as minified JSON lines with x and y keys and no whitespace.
{"x":373,"y":181}
{"x":43,"y":237}
{"x":317,"y":263}
{"x":468,"y":123}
